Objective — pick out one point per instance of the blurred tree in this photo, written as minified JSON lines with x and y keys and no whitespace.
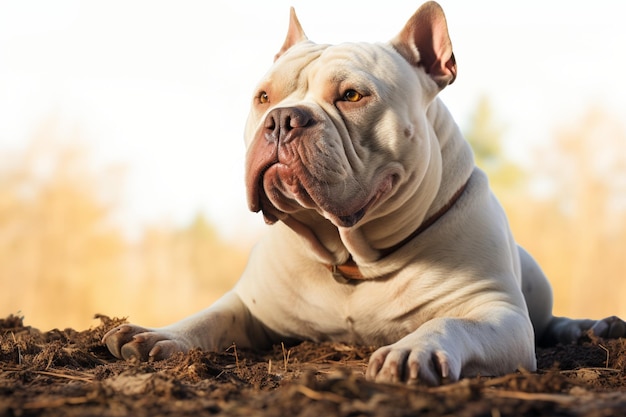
{"x":586,"y":175}
{"x":576,"y":226}
{"x":485,"y":136}
{"x":201,"y":243}
{"x":184,"y":268}
{"x":58,"y":247}
{"x":213,"y":264}
{"x":63,"y":258}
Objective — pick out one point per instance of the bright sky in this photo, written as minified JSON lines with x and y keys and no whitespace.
{"x":163,"y":87}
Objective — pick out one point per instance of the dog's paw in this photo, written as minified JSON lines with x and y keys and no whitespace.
{"x":565,"y":330}
{"x":133,"y":342}
{"x":431,"y":366}
{"x":609,"y":328}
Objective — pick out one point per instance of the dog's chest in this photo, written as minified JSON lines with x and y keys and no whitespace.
{"x":365,"y":313}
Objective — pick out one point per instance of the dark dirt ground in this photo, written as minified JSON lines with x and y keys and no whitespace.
{"x":70,"y":373}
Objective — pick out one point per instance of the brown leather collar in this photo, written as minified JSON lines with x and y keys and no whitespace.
{"x":349,"y":270}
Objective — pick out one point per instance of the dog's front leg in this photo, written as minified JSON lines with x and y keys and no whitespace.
{"x":226,"y":322}
{"x":444,"y":349}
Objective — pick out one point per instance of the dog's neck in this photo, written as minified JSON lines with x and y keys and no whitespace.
{"x":350,"y":270}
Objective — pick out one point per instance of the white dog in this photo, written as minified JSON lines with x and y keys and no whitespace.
{"x":386,"y":233}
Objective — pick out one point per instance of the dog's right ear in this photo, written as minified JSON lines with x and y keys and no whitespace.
{"x":425,"y":42}
{"x":295,"y":34}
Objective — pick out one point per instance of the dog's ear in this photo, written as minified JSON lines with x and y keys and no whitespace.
{"x":424,"y":41}
{"x":295,"y":34}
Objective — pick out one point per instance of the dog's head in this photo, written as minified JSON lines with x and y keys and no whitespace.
{"x":339,"y":132}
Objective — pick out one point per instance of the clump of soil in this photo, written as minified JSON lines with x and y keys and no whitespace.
{"x":70,"y":373}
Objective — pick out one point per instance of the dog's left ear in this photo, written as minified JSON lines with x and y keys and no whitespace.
{"x":425,"y":42}
{"x":295,"y":34}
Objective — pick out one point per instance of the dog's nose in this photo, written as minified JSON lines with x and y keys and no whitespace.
{"x":284,"y":124}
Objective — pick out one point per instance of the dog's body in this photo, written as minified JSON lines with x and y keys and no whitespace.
{"x":386,"y":233}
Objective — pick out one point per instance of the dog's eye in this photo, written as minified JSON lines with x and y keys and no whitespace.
{"x":352,"y":96}
{"x":263,"y":97}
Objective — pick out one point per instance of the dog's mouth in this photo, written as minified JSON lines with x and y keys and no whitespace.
{"x":296,"y":176}
{"x":278,"y":191}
